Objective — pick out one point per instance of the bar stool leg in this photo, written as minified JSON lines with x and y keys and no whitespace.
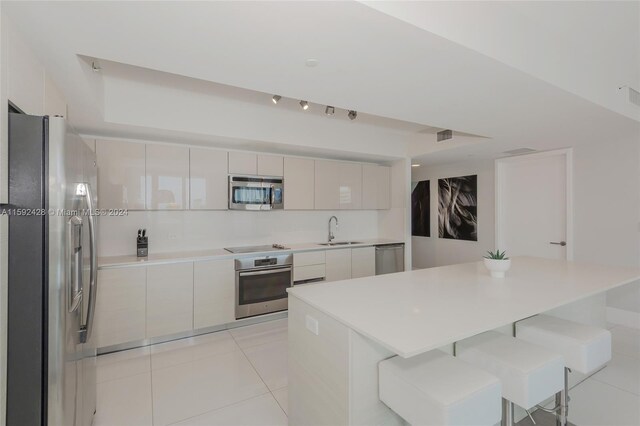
{"x":562,"y":401}
{"x":507,"y":413}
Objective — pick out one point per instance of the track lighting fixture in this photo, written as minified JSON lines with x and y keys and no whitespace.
{"x":329,"y":110}
{"x":276,"y":98}
{"x":352,"y":114}
{"x":304,"y":105}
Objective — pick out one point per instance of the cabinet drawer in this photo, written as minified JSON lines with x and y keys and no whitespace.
{"x":308,"y":258}
{"x":311,"y":272}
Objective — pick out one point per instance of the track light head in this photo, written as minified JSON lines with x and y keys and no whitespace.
{"x":329,"y":110}
{"x":352,"y":114}
{"x":276,"y":98}
{"x":304,"y":105}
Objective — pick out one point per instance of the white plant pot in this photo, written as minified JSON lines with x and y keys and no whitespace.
{"x":496,"y":267}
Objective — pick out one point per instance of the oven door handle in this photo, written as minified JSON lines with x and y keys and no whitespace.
{"x":272,"y":194}
{"x":265,"y":272}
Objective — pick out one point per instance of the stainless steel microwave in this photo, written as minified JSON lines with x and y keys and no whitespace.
{"x":256,"y":193}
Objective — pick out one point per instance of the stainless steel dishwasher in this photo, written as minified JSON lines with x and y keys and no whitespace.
{"x":389,"y":258}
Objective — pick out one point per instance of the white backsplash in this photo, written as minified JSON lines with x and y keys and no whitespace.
{"x":174,"y":231}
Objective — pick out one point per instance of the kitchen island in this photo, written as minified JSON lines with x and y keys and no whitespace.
{"x":338,"y":332}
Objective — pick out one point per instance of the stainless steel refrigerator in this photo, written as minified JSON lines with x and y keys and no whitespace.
{"x":52,"y":274}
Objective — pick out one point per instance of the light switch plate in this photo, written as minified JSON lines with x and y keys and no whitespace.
{"x":312,"y":325}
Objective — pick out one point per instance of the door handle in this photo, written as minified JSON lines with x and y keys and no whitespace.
{"x":561,"y":243}
{"x":84,"y":190}
{"x":74,"y":287}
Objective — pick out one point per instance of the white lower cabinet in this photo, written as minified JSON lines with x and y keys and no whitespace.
{"x":169,"y":299}
{"x":338,"y":264}
{"x":363,"y":262}
{"x":121,"y":306}
{"x":213,"y":293}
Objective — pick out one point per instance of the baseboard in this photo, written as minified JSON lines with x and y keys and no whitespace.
{"x":623,"y":317}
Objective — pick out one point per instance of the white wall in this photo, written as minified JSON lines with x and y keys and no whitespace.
{"x":434,"y":251}
{"x":172,"y":231}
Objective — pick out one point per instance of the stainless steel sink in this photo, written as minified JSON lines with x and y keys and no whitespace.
{"x":340,"y":243}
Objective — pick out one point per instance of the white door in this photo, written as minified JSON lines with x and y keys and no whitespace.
{"x":533,"y":205}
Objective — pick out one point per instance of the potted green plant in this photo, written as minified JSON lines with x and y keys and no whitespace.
{"x":497,"y":263}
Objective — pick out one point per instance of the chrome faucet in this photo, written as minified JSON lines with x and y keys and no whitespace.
{"x":331,"y":236}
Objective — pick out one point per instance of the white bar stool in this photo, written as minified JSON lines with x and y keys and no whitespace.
{"x":585,"y":348}
{"x":437,"y":389}
{"x":529,"y":373}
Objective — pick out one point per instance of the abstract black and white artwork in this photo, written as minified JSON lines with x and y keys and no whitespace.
{"x":420,"y":213}
{"x":458,"y":208}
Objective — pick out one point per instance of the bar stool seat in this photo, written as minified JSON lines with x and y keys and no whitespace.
{"x":585,"y":348}
{"x":529,"y":374}
{"x":437,"y":389}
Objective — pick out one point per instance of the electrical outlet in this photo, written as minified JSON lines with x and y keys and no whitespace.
{"x":312,"y":325}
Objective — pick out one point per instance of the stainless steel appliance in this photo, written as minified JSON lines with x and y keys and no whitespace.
{"x":256,"y":193}
{"x":52,"y":277}
{"x":261,"y":284}
{"x":389,"y":258}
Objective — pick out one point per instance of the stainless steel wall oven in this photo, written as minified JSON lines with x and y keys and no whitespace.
{"x":261,"y":284}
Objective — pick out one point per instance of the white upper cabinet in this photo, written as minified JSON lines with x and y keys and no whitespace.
{"x":338,"y":185}
{"x":242,"y":163}
{"x":167,"y":177}
{"x":270,"y":165}
{"x":299,"y":183}
{"x":326,"y":185}
{"x":121,"y":175}
{"x":350,"y":186}
{"x":208,"y":181}
{"x":375,"y":187}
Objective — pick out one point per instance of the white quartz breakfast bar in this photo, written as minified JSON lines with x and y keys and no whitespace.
{"x":339,"y":331}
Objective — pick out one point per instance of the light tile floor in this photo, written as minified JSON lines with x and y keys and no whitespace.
{"x":239,"y":377}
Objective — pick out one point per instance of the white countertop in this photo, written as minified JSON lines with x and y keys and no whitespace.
{"x":413,"y":312}
{"x":196,"y":255}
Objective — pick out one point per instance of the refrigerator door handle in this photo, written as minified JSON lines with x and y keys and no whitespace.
{"x":84,"y":189}
{"x":75,"y":273}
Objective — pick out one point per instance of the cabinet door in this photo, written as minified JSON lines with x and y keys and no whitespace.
{"x":299,"y":184}
{"x":213,"y":293}
{"x":242,"y":163}
{"x":120,"y":307}
{"x":208,"y":179}
{"x":270,"y":165}
{"x":369,"y":186}
{"x":350,"y":188}
{"x":363,"y":262}
{"x":384,"y":187}
{"x":338,"y":264}
{"x":121,"y":175}
{"x":167,"y":177}
{"x":326,"y":185}
{"x":169,"y":299}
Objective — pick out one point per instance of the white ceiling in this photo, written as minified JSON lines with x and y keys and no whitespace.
{"x":368,"y":60}
{"x":589,"y":48}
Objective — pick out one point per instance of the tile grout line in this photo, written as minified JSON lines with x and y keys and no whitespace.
{"x":278,"y":402}
{"x":251,"y":364}
{"x":614,"y":386}
{"x":220,"y":408}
